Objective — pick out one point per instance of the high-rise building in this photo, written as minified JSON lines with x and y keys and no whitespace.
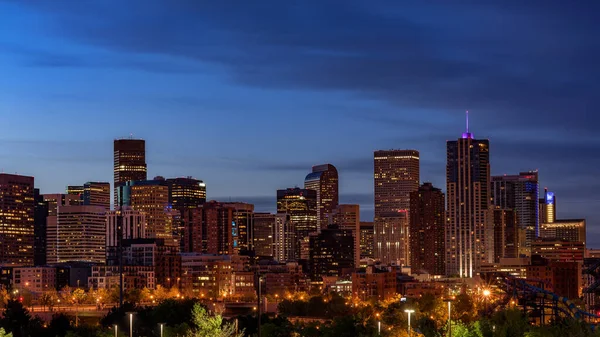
{"x":209,"y":229}
{"x":427,"y":226}
{"x":127,"y":221}
{"x":547,"y":206}
{"x":242,"y":226}
{"x":152,"y":198}
{"x":396,"y":176}
{"x":568,"y":230}
{"x":331,"y":253}
{"x":519,"y":193}
{"x":324,"y":180}
{"x":469,"y":233}
{"x":284,"y":239}
{"x":96,"y":194}
{"x":39,"y":229}
{"x":347,"y":217}
{"x":17,"y":208}
{"x":506,"y":234}
{"x":367,"y":234}
{"x":301,"y":206}
{"x":264,"y":227}
{"x":58,"y":199}
{"x":78,"y":234}
{"x":129,"y":162}
{"x":559,"y":250}
{"x":76,"y":190}
{"x":392,"y":239}
{"x":186,"y":193}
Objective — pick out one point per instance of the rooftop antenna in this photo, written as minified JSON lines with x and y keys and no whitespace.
{"x":467,"y":121}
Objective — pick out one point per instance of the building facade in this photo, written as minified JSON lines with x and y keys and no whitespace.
{"x":264,"y":228}
{"x":129,"y":162}
{"x":96,"y":194}
{"x":324,"y":180}
{"x":469,"y":234}
{"x":301,"y":206}
{"x":39,"y":229}
{"x":567,"y":230}
{"x":506,"y":234}
{"x":284,"y":239}
{"x":331,"y":253}
{"x":17,"y":212}
{"x":392,"y":239}
{"x":124,"y":223}
{"x":347,"y":217}
{"x":242,"y":226}
{"x":427,"y":230}
{"x":367,"y":235}
{"x":547,"y":207}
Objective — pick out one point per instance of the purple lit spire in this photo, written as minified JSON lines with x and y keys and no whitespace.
{"x":467,"y":134}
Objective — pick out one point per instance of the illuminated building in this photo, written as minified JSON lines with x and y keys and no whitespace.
{"x":374,"y":284}
{"x":282,"y":278}
{"x":209,"y":229}
{"x":392,"y":239}
{"x":347,"y":217}
{"x":134,"y":277}
{"x":214,"y":276}
{"x":34,"y":279}
{"x":96,"y":194}
{"x":264,"y":228}
{"x":367,"y":235}
{"x":396,"y":175}
{"x":39,"y":229}
{"x":506,"y":237}
{"x":152,"y":198}
{"x":563,"y":278}
{"x":186,"y":193}
{"x":331,"y":253}
{"x":242,"y":226}
{"x":301,"y":206}
{"x":76,"y":190}
{"x":285,"y":242}
{"x":17,"y":208}
{"x":133,"y":225}
{"x":516,"y":267}
{"x":427,"y":225}
{"x":547,"y":207}
{"x":567,"y":230}
{"x":521,"y":194}
{"x":78,"y":234}
{"x":558,"y":250}
{"x":469,"y":234}
{"x":324,"y":180}
{"x":129,"y":162}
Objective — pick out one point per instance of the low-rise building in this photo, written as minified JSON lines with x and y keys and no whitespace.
{"x":34,"y":279}
{"x":374,"y":283}
{"x":106,"y":277}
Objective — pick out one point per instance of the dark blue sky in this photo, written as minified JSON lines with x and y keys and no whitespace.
{"x":249,"y":97}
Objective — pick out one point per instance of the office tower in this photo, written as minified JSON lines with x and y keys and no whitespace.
{"x":573,"y":230}
{"x":78,"y":234}
{"x":469,"y":234}
{"x":264,"y":227}
{"x":152,"y":198}
{"x":39,"y":228}
{"x":209,"y":229}
{"x":347,"y":217}
{"x":559,"y":250}
{"x":76,"y":190}
{"x":392,"y":239}
{"x":427,"y":230}
{"x":242,"y":226}
{"x":331,"y":253}
{"x":129,"y":162}
{"x":186,"y":193}
{"x":96,"y":194}
{"x":547,"y":206}
{"x":506,"y":234}
{"x":57,"y":199}
{"x":324,"y":180}
{"x":396,"y":175}
{"x":133,"y":225}
{"x":520,"y":193}
{"x":284,"y":239}
{"x":17,"y":208}
{"x":301,"y":206}
{"x":367,"y":235}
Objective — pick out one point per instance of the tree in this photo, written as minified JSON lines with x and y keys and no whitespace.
{"x":45,"y":300}
{"x":210,"y":326}
{"x":16,"y":319}
{"x":4,"y":297}
{"x":5,"y":334}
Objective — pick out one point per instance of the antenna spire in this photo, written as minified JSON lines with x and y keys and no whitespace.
{"x":467,"y":121}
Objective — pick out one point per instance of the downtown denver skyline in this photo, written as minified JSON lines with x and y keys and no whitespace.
{"x":249,"y":98}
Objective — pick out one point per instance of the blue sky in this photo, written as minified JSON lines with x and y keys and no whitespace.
{"x":248,"y":96}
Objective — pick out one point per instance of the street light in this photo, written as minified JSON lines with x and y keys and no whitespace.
{"x":161,"y":328}
{"x":130,"y":323}
{"x":449,"y":314}
{"x":378,"y":325}
{"x":409,"y":311}
{"x":115,"y":330}
{"x":486,"y":294}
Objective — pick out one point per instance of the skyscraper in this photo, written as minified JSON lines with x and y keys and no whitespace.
{"x":264,"y":227}
{"x":129,"y":162}
{"x":367,"y":233}
{"x":284,"y":239}
{"x":396,"y":175}
{"x":519,"y":193}
{"x":96,"y":194}
{"x":547,"y":207}
{"x":347,"y":217}
{"x":78,"y":234}
{"x":301,"y":206}
{"x":186,"y":193}
{"x":331,"y":253}
{"x":573,"y":230}
{"x":506,"y":237}
{"x":242,"y":226}
{"x":427,"y":230}
{"x":16,"y":219}
{"x":134,"y":225}
{"x":39,"y":229}
{"x":469,"y":232}
{"x":209,"y":229}
{"x":324,"y":180}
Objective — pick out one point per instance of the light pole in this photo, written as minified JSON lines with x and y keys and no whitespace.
{"x":130,"y":323}
{"x":409,"y":311}
{"x":486,"y":294}
{"x":378,"y":325}
{"x":161,"y":328}
{"x":116,"y":330}
{"x":449,"y":315}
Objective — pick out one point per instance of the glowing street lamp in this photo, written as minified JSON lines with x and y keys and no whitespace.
{"x":409,"y":311}
{"x":116,"y":330}
{"x":449,"y":315}
{"x":378,"y":324}
{"x":130,"y":323}
{"x":161,"y":328}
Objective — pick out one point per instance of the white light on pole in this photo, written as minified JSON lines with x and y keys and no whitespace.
{"x":161,"y":329}
{"x":115,"y":330}
{"x":409,"y":311}
{"x":131,"y":323}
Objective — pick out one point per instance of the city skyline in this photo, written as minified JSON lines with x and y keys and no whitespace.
{"x":524,"y":113}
